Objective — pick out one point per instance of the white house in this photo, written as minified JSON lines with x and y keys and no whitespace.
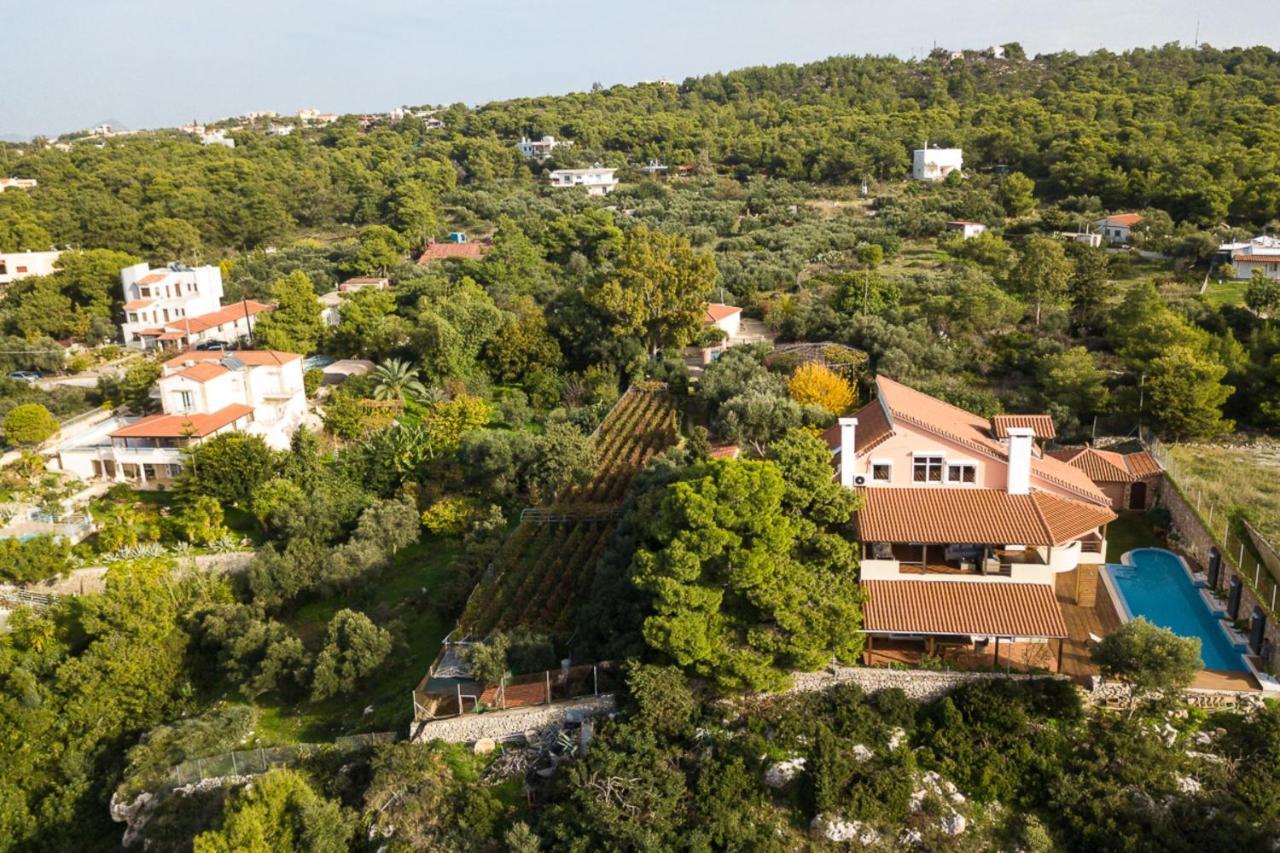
{"x":155,"y":297}
{"x":934,"y":164}
{"x":597,"y":180}
{"x":311,"y":115}
{"x":965,"y":228}
{"x":538,"y":149}
{"x":202,"y":394}
{"x":16,"y":265}
{"x":1088,"y":238}
{"x":1260,"y":253}
{"x":216,"y":137}
{"x":727,"y":318}
{"x":1116,"y":229}
{"x":17,"y":184}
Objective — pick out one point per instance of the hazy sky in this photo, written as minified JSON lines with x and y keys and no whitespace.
{"x":67,"y":64}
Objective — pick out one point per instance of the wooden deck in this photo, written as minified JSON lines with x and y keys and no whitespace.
{"x":1099,"y":620}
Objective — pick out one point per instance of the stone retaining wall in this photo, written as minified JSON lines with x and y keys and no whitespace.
{"x":498,"y":725}
{"x":921,"y":685}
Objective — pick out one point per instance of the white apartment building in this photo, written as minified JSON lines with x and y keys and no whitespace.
{"x":16,"y":265}
{"x":216,"y":137}
{"x":156,"y":297}
{"x":539,"y":149}
{"x":597,"y":180}
{"x":202,"y":394}
{"x":935,"y":164}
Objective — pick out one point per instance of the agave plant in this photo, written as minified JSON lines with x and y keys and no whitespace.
{"x":396,"y":380}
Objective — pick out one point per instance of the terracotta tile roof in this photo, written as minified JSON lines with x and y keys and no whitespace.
{"x":1041,"y":425}
{"x":1142,"y":464}
{"x":1256,"y":259}
{"x":440,"y":251}
{"x":1102,"y":466}
{"x":152,"y":278}
{"x":365,"y":282}
{"x":873,"y":429}
{"x":725,"y":451}
{"x":909,"y":406}
{"x":1107,"y":466}
{"x":135,"y":304}
{"x":203,"y":371}
{"x":251,"y":357}
{"x":955,"y":607}
{"x":1124,"y":219}
{"x":227,"y":314}
{"x":177,"y":426}
{"x":717,"y":311}
{"x":947,"y":516}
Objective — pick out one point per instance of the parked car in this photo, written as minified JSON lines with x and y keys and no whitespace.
{"x":31,"y":377}
{"x":213,"y":345}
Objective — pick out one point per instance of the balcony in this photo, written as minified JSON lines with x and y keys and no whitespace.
{"x":967,"y":562}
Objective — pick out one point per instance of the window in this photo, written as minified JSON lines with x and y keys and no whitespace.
{"x":962,"y":472}
{"x":881,"y":472}
{"x":927,"y":469}
{"x":22,"y":269}
{"x":184,"y":399}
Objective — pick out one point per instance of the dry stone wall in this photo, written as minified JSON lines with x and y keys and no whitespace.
{"x":918,"y":684}
{"x":499,"y":725}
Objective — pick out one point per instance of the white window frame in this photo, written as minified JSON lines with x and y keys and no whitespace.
{"x":927,"y":459}
{"x":961,"y":463}
{"x":186,"y":400}
{"x":876,"y":463}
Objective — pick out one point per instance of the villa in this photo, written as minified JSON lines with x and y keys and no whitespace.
{"x":155,"y":297}
{"x":975,"y":541}
{"x":16,"y":265}
{"x":935,"y":164}
{"x":1116,"y":229}
{"x":1261,"y":253}
{"x":202,"y":394}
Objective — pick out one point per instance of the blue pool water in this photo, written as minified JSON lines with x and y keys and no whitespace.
{"x":1158,"y":588}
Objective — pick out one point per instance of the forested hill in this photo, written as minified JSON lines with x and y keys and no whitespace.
{"x":1193,"y":132}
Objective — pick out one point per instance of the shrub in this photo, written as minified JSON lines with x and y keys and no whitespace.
{"x":664,"y":702}
{"x":29,"y":424}
{"x":354,"y":647}
{"x":311,"y":381}
{"x":36,"y":559}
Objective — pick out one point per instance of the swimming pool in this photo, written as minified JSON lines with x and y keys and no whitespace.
{"x":1156,"y":586}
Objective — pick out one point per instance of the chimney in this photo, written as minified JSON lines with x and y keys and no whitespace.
{"x":848,"y":450}
{"x":1019,"y":473}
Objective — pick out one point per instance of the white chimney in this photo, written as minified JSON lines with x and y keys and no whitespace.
{"x":1019,"y":474}
{"x":848,"y":450}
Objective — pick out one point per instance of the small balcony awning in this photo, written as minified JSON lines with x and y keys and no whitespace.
{"x":938,"y":608}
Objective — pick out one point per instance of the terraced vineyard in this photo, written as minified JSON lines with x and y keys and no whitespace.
{"x":545,"y":567}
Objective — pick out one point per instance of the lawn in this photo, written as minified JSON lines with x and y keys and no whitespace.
{"x":1238,"y":480}
{"x":1129,"y":531}
{"x":1228,"y":292}
{"x":403,"y":594}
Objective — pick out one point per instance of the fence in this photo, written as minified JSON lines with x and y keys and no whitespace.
{"x":1235,"y":546}
{"x":541,"y":688}
{"x":249,"y":762}
{"x":20,"y":597}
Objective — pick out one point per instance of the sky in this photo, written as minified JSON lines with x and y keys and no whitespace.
{"x":70,"y":64}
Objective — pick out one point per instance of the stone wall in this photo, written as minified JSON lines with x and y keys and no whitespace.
{"x":919,"y":684}
{"x":498,"y":725}
{"x":1191,"y":537}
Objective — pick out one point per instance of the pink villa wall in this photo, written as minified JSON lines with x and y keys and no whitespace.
{"x":906,"y":441}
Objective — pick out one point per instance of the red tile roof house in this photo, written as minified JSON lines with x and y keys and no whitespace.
{"x":973,"y":538}
{"x":1116,"y":228}
{"x":228,"y":324}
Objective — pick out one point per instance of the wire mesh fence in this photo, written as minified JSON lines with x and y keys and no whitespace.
{"x":250,"y":762}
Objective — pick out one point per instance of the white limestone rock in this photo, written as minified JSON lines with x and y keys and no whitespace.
{"x":862,"y":753}
{"x":780,"y":773}
{"x":837,"y":830}
{"x":1188,"y":785}
{"x":954,"y":824}
{"x":897,"y":738}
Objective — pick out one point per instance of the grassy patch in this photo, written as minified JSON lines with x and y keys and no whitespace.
{"x":1127,"y":532}
{"x":402,"y":598}
{"x":1233,"y":480}
{"x":1228,"y":292}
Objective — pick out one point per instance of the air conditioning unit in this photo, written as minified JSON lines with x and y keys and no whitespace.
{"x":860,"y":480}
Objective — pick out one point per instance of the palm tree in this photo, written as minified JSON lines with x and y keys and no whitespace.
{"x":396,"y":379}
